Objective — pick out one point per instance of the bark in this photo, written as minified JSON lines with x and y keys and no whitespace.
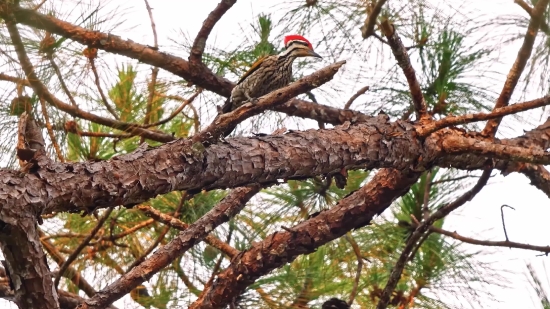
{"x":277,"y":249}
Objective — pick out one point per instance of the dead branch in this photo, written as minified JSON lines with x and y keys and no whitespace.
{"x":176,"y":111}
{"x":368,"y":28}
{"x":519,"y":65}
{"x":355,"y":96}
{"x":200,"y":40}
{"x":402,"y":57}
{"x":428,"y":128}
{"x":97,"y":81}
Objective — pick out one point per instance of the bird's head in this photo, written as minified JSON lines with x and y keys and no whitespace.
{"x":298,"y":46}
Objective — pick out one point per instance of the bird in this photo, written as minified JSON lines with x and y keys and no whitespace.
{"x":269,"y":73}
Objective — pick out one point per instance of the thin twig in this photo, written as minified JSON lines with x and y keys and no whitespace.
{"x":502,"y":217}
{"x":519,"y":65}
{"x":368,"y":28}
{"x":200,"y":40}
{"x":427,"y":189}
{"x":421,"y":230}
{"x":102,"y":134}
{"x":154,"y":72}
{"x":360,"y":263}
{"x":108,"y":106}
{"x":81,"y":246}
{"x":61,"y":80}
{"x":490,"y":243}
{"x":50,"y":131}
{"x":39,"y":5}
{"x":355,"y":96}
{"x":176,"y":111}
{"x":400,"y":53}
{"x":177,"y":224}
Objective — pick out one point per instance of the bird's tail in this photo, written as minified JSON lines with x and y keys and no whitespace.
{"x":226,"y":108}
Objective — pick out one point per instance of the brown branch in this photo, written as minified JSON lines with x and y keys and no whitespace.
{"x":225,"y":123}
{"x":368,"y":28}
{"x":543,"y":25}
{"x":81,"y":246}
{"x":97,"y":81}
{"x":519,"y":65}
{"x":283,"y":247}
{"x":131,"y":230}
{"x":154,"y":73}
{"x":49,"y":129}
{"x":176,"y":111}
{"x":177,"y":224}
{"x":490,"y":243}
{"x":402,"y":57}
{"x":461,"y":145}
{"x":61,"y":80}
{"x":421,"y":230}
{"x":43,"y":92}
{"x":355,"y":96}
{"x":197,"y":231}
{"x":101,"y":134}
{"x":71,"y":274}
{"x":200,"y":40}
{"x":13,"y":79}
{"x":428,"y":128}
{"x":360,"y":263}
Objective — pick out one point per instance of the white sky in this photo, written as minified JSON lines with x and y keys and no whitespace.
{"x":479,"y":218}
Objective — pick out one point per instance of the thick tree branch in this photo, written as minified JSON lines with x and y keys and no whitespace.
{"x":283,"y":247}
{"x":519,"y":65}
{"x":543,"y":25}
{"x":200,"y":40}
{"x":197,"y":231}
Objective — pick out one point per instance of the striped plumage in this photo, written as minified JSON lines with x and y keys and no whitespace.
{"x":269,"y":73}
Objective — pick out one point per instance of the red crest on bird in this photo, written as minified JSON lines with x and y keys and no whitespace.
{"x":297,"y":37}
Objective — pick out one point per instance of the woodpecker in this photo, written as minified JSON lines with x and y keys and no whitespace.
{"x":269,"y":73}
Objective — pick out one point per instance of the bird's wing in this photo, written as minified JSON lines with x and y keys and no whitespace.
{"x":253,"y":68}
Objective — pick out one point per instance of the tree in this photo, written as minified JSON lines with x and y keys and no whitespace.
{"x":120,"y":181}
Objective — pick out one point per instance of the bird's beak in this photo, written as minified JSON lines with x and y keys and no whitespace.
{"x":313,"y":54}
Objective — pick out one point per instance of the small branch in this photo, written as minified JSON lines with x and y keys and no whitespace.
{"x":50,"y":131}
{"x":197,"y":231}
{"x":225,"y":123}
{"x":368,"y":28}
{"x":490,"y":243}
{"x":519,"y":65}
{"x":543,"y":25}
{"x":177,"y":224}
{"x":400,"y":53}
{"x":13,"y":79}
{"x":460,"y":145}
{"x":101,"y":134}
{"x":176,"y":111}
{"x":427,"y":189}
{"x":355,"y":96}
{"x":360,"y":263}
{"x":154,"y":73}
{"x":421,"y":230}
{"x":81,"y":246}
{"x":427,"y":129}
{"x":502,"y":217}
{"x":61,"y":80}
{"x":108,"y":106}
{"x":200,"y":40}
